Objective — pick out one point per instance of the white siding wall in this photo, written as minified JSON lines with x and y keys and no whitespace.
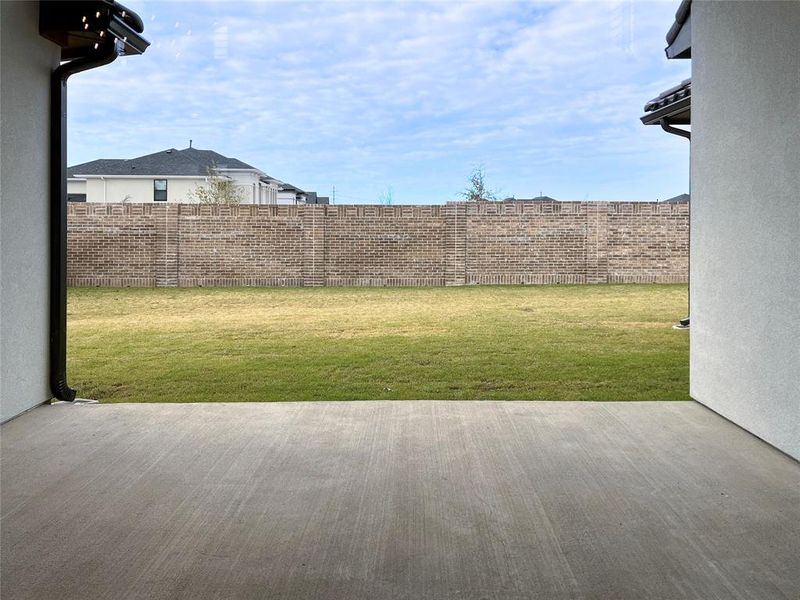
{"x":286,"y":198}
{"x":269,"y":193}
{"x":140,"y":189}
{"x":26,"y":61}
{"x":745,"y":251}
{"x":76,"y":187}
{"x":254,"y":191}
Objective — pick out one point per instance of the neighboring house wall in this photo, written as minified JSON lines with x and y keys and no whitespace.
{"x":179,"y":189}
{"x":249,"y":185}
{"x":286,"y":198}
{"x":745,"y":263}
{"x":26,"y":61}
{"x":269,"y":194}
{"x":493,"y":243}
{"x":76,"y":187}
{"x":139,"y":189}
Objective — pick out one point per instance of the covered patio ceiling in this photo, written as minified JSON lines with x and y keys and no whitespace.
{"x":395,"y":500}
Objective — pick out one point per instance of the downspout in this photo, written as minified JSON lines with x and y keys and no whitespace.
{"x":683,"y":323}
{"x":675,"y":130}
{"x":58,"y":216}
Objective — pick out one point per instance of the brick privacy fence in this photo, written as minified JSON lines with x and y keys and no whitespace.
{"x":364,"y":245}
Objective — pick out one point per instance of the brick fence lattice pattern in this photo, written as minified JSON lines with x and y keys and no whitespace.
{"x":148,"y":245}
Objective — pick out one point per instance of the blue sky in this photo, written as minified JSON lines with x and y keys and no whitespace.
{"x":546,"y":96}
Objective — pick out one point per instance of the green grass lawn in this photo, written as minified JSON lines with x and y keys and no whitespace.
{"x":599,"y":342}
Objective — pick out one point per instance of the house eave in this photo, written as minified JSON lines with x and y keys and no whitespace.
{"x":677,"y":113}
{"x":80,"y":177}
{"x":681,"y":47}
{"x":679,"y":36}
{"x":226,"y":170}
{"x":85,"y":27}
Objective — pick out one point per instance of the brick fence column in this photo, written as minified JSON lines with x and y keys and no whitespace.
{"x":166,"y":254}
{"x":597,"y":242}
{"x":313,"y":217}
{"x":455,"y":214}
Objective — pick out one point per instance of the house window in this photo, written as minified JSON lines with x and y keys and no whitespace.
{"x":160,"y":190}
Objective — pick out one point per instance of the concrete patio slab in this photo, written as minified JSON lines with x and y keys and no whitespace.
{"x":394,"y":500}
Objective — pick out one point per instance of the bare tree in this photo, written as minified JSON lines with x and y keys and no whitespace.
{"x":217,"y":190}
{"x":387,"y":196}
{"x":476,"y":190}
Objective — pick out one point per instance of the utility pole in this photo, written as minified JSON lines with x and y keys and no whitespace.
{"x":333,"y":195}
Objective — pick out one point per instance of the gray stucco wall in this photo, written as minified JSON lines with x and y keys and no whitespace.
{"x":26,"y":61}
{"x":745,"y":253}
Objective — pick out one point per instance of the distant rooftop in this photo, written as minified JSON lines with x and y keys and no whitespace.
{"x":535,"y":199}
{"x":186,"y":162}
{"x":312,"y":198}
{"x":288,"y":187}
{"x":679,"y":199}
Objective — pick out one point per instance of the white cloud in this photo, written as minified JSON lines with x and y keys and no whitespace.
{"x":410,"y":95}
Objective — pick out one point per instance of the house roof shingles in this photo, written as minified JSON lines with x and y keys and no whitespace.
{"x":186,"y":162}
{"x":670,"y":96}
{"x":679,"y":36}
{"x":681,"y":15}
{"x":673,"y":105}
